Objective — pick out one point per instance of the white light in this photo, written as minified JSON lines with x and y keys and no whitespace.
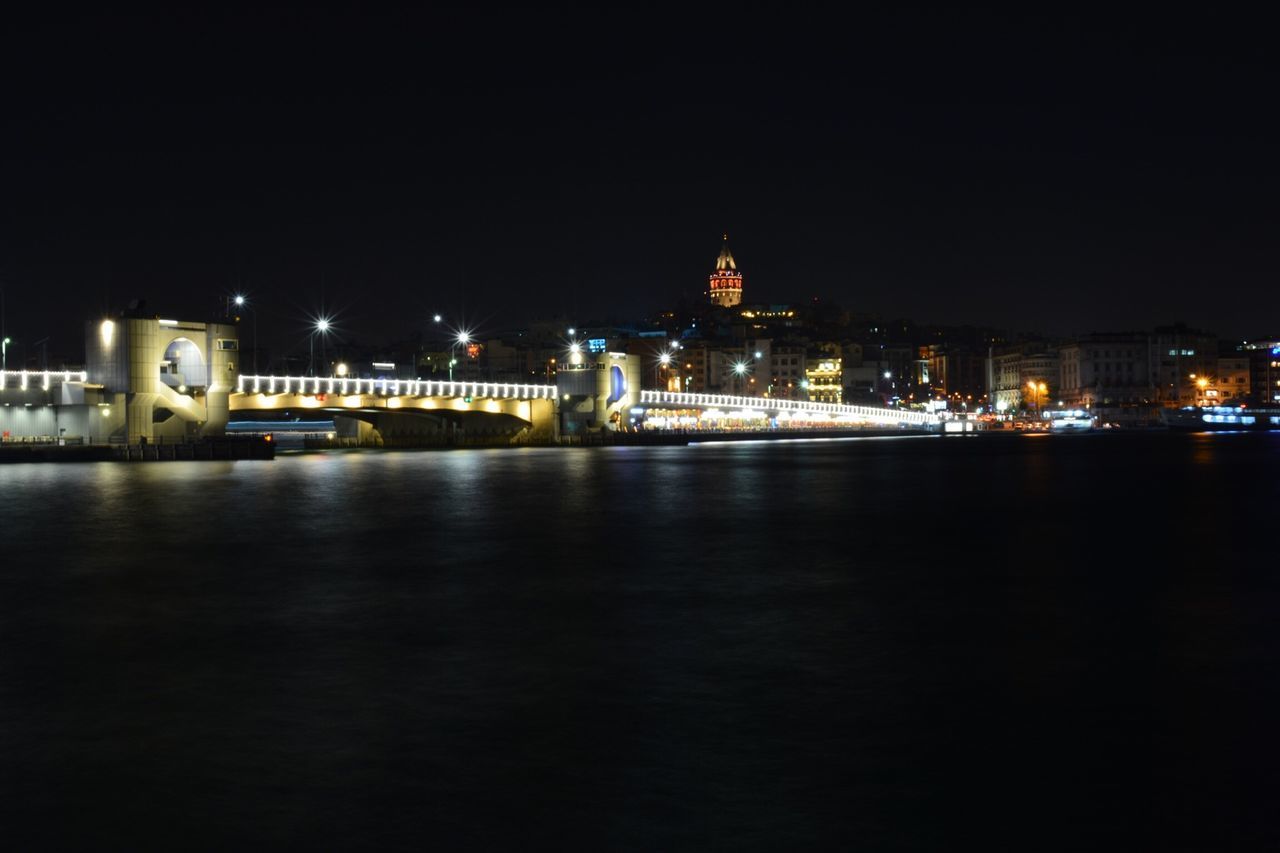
{"x":107,"y":331}
{"x":758,"y":354}
{"x":464,"y":337}
{"x":167,"y":322}
{"x":322,"y":325}
{"x":342,"y":369}
{"x":437,"y":318}
{"x":239,"y":300}
{"x":888,"y":375}
{"x":572,"y":330}
{"x":575,"y":348}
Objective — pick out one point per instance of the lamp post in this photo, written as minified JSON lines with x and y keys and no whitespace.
{"x":662,"y":367}
{"x":1036,"y":390}
{"x":322,"y":329}
{"x":4,"y":353}
{"x":242,"y":302}
{"x":1202,"y":382}
{"x":463,"y":338}
{"x":739,"y":371}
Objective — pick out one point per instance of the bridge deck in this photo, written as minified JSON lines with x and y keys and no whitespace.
{"x":353,"y":386}
{"x":682,"y":400}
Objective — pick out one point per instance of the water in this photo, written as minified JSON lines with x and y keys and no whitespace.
{"x":1023,"y":642}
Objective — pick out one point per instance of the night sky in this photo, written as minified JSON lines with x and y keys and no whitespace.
{"x":1054,"y":173}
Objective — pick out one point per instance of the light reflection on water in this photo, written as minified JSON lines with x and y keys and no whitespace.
{"x":766,"y":646}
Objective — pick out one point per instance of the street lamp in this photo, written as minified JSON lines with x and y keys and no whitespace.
{"x":242,"y":302}
{"x":740,"y":370}
{"x":4,"y":353}
{"x":463,"y":338}
{"x":1036,"y":391}
{"x":322,"y":328}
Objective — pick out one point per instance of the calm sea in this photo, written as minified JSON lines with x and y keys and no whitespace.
{"x":1005,"y":643}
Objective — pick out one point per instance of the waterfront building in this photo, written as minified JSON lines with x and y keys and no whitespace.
{"x":1178,"y":357}
{"x":1004,"y":380}
{"x":824,"y":379}
{"x":724,"y":287}
{"x":786,"y":371}
{"x":1264,"y":370}
{"x":953,"y":372}
{"x":1110,"y":374}
{"x":1232,"y":379}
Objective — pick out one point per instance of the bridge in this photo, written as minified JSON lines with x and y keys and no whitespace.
{"x":406,"y":410}
{"x":779,"y":413}
{"x":157,"y":379}
{"x":411,"y":410}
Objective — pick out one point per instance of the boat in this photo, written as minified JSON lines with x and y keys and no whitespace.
{"x":1069,"y":420}
{"x":1213,"y":418}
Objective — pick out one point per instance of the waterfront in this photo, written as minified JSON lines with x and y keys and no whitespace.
{"x":1023,"y":641}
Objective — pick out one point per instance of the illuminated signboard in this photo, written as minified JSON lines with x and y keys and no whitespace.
{"x":596,"y":344}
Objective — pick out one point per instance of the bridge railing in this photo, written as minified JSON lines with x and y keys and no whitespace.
{"x":682,"y":399}
{"x":24,"y":378}
{"x":384,"y":387}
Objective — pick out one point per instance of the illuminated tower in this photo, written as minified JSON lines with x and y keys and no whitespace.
{"x":726,"y":282}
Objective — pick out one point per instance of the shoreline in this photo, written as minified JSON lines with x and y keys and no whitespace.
{"x":222,"y":450}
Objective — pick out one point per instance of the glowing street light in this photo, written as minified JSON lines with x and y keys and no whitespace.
{"x":322,"y":327}
{"x":664,"y":363}
{"x":1037,"y":389}
{"x":437,"y":318}
{"x":461,"y":339}
{"x":241,"y":302}
{"x":4,"y":353}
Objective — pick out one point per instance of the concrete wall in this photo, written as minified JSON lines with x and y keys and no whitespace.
{"x":42,"y":418}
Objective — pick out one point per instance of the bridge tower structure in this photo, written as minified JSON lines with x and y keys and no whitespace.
{"x":165,"y":379}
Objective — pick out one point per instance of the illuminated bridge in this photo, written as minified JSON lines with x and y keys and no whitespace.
{"x":663,"y":407}
{"x":405,"y":409}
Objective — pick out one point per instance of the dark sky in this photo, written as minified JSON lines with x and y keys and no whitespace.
{"x":1060,"y":173}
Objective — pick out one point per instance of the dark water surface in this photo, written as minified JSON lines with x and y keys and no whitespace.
{"x":1031,"y":642}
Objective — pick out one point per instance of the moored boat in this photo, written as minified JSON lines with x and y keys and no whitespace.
{"x":1214,"y":418}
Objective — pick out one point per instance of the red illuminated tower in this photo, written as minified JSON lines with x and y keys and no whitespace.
{"x":726,"y":282}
